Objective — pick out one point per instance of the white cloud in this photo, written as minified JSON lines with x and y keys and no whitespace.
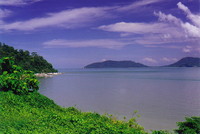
{"x":194,"y":18}
{"x":191,"y":30}
{"x":67,"y":19}
{"x":183,"y":7}
{"x":169,"y":18}
{"x":141,"y":28}
{"x":188,"y":49}
{"x":150,"y":33}
{"x":17,"y":2}
{"x":103,"y":60}
{"x":170,"y":29}
{"x":5,"y":13}
{"x":138,"y":4}
{"x":150,"y":60}
{"x":169,"y":59}
{"x":101,"y":43}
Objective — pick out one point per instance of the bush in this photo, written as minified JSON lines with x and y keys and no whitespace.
{"x":160,"y":132}
{"x":16,"y":79}
{"x":190,"y":126}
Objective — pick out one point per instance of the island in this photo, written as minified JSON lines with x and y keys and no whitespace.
{"x":186,"y":62}
{"x":115,"y":64}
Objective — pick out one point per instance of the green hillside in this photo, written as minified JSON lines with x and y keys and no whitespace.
{"x":25,"y":59}
{"x":25,"y":111}
{"x":36,"y":114}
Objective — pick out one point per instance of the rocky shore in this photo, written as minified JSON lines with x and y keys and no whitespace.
{"x":46,"y":75}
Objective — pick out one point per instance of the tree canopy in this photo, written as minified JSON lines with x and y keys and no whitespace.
{"x":26,"y":60}
{"x":14,"y":78}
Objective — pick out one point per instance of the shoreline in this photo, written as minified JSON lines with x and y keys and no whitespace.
{"x":46,"y":75}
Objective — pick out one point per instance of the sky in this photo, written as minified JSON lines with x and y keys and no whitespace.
{"x":74,"y":33}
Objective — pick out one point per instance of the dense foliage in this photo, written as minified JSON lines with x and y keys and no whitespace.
{"x":26,"y":60}
{"x":14,"y":78}
{"x":190,"y":126}
{"x":115,"y":64}
{"x":35,"y":113}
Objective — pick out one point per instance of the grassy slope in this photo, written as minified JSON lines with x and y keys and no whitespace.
{"x":35,"y":113}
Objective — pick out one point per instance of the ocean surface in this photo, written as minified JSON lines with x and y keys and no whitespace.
{"x":162,"y":96}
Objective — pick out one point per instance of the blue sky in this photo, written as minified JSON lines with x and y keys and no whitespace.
{"x":74,"y":33}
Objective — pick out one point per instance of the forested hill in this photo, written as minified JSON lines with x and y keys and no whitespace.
{"x":25,"y":59}
{"x":187,"y":62}
{"x":115,"y":64}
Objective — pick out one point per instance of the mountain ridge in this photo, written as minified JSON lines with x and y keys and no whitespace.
{"x":184,"y":62}
{"x":115,"y":64}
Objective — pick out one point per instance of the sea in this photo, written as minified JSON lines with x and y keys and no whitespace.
{"x":162,"y":96}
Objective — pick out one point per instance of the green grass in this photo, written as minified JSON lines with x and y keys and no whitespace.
{"x":35,"y":113}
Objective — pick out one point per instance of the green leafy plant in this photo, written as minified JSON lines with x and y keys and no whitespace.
{"x":161,"y":132}
{"x":190,"y":126}
{"x":16,"y":79}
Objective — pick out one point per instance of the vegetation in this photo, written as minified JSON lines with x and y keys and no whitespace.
{"x":33,"y":113}
{"x":16,"y":79}
{"x":190,"y":126}
{"x":186,"y":62}
{"x":115,"y":64}
{"x":26,"y":60}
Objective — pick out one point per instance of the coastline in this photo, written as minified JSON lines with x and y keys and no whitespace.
{"x":47,"y":75}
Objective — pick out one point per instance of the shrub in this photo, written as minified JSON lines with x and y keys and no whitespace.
{"x":190,"y":126}
{"x":16,"y":79}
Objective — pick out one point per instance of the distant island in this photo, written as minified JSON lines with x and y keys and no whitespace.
{"x":184,"y":62}
{"x":115,"y":64}
{"x":28,"y":61}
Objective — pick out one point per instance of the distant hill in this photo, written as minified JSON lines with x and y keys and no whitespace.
{"x":115,"y":64}
{"x":25,"y":59}
{"x":186,"y":62}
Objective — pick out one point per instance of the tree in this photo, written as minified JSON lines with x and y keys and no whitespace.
{"x":15,"y":78}
{"x":190,"y":126}
{"x":26,"y":60}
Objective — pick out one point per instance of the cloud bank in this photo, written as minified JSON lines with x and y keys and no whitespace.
{"x":73,"y":18}
{"x":138,"y":4}
{"x":141,"y":28}
{"x":150,"y":60}
{"x":5,"y":13}
{"x":190,"y":29}
{"x":168,"y":25}
{"x":67,"y":19}
{"x":17,"y":2}
{"x":168,"y":29}
{"x":101,"y":43}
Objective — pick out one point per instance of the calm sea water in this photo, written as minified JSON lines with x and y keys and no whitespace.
{"x":162,"y":96}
